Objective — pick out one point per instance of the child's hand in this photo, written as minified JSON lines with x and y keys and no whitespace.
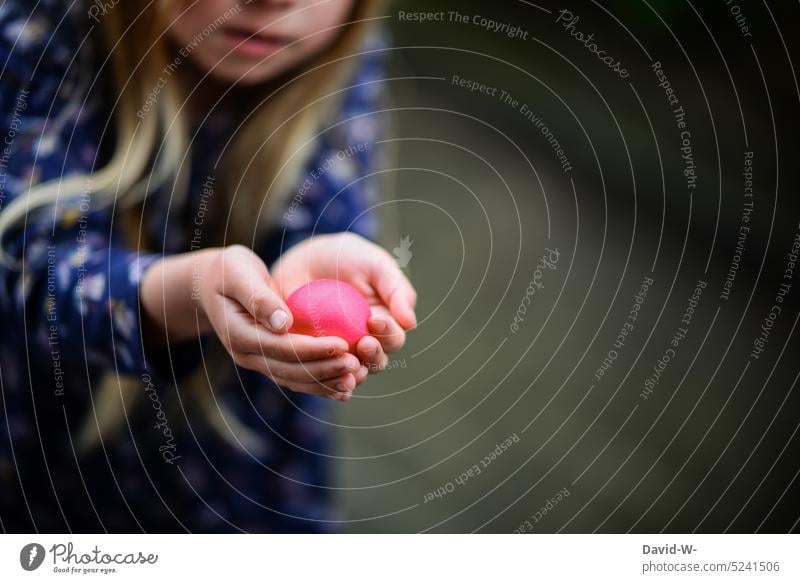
{"x":232,"y":287}
{"x":370,"y":269}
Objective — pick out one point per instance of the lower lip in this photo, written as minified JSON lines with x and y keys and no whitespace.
{"x":253,"y":46}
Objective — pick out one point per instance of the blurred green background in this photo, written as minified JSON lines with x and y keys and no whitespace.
{"x":477,"y":188}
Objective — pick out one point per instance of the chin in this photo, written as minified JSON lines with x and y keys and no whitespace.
{"x":239,"y":76}
{"x":243,"y":72}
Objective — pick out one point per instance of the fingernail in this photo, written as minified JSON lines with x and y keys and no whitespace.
{"x":380,"y":326}
{"x":341,"y":387}
{"x":278,"y":319}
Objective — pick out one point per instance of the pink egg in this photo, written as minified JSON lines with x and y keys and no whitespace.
{"x":328,"y":307}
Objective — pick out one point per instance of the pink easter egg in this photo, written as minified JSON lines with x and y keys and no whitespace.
{"x":328,"y":307}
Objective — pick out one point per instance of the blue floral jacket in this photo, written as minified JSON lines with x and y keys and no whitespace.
{"x":71,"y":313}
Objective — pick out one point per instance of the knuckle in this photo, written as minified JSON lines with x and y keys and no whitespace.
{"x":329,"y":371}
{"x":285,"y":384}
{"x":278,"y":370}
{"x":250,"y":301}
{"x":228,"y":341}
{"x":321,"y":384}
{"x":240,"y":345}
{"x":345,"y":361}
{"x":271,"y":351}
{"x":315,"y":377}
{"x":257,"y":304}
{"x":237,"y":249}
{"x":214,"y":261}
{"x":397,"y":340}
{"x":381,"y":363}
{"x":240,"y":359}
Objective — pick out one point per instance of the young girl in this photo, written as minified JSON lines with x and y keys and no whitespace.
{"x":171,"y":172}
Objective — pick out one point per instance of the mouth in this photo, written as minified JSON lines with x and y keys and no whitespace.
{"x":253,"y":44}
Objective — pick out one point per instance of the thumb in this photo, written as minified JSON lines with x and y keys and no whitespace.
{"x":247,"y":280}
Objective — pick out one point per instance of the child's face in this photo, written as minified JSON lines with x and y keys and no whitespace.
{"x":214,"y":33}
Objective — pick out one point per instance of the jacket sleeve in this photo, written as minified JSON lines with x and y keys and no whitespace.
{"x":77,"y":287}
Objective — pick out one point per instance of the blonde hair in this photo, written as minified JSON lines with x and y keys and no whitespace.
{"x":152,"y":150}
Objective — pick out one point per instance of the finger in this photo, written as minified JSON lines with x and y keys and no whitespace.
{"x":344,"y":397}
{"x":246,"y":280}
{"x":388,"y":332}
{"x":293,"y":376}
{"x":299,"y":347}
{"x":241,"y":334}
{"x":233,"y":325}
{"x":371,"y":354}
{"x":315,"y":371}
{"x":342,"y":385}
{"x":361,"y":375}
{"x":345,"y":383}
{"x":396,"y":292}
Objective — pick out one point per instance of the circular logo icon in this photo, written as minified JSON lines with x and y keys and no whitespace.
{"x":31,"y":556}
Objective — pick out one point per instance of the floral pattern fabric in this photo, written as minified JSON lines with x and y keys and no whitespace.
{"x":71,"y":313}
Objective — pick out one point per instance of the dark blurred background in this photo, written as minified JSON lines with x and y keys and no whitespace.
{"x":481,"y":193}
